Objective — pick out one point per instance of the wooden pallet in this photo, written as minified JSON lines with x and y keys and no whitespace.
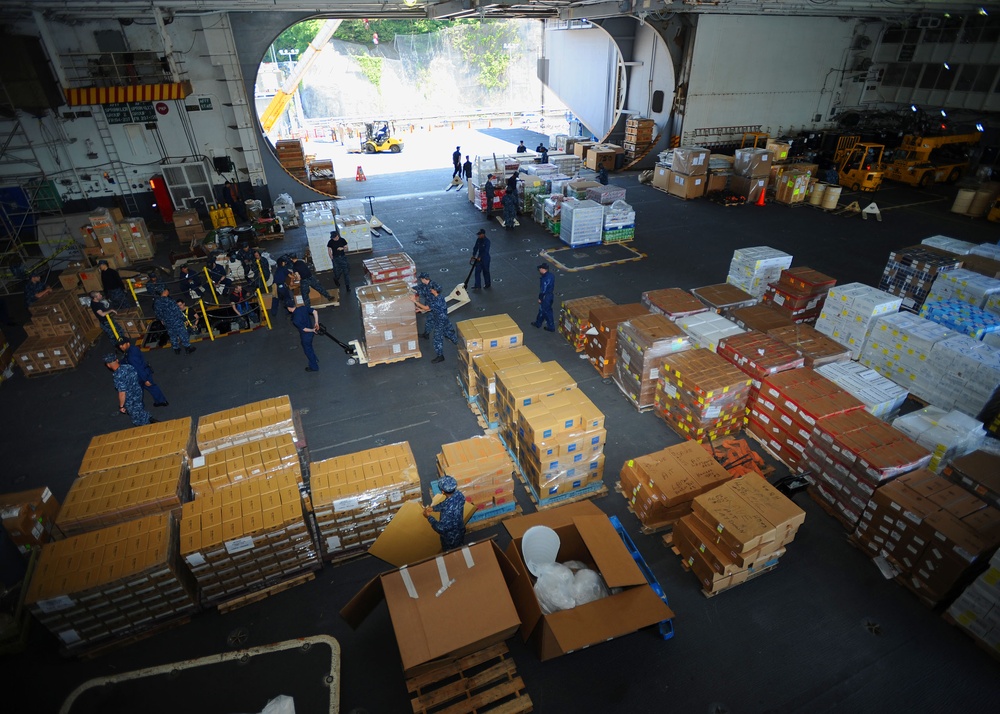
{"x":490,"y":522}
{"x":668,"y":540}
{"x":562,"y":499}
{"x":258,"y":595}
{"x":397,"y":359}
{"x":652,"y":529}
{"x":830,"y":510}
{"x":346,"y":555}
{"x":485,"y":681}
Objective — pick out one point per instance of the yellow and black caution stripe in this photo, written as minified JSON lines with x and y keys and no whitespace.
{"x":84,"y":96}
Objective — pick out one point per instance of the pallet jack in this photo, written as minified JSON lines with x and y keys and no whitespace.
{"x":354,"y":350}
{"x":459,"y":295}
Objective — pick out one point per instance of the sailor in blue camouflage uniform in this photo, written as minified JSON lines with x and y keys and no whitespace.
{"x":170,"y":314}
{"x":34,"y":289}
{"x":450,"y":527}
{"x":219,"y":275}
{"x":143,"y":372}
{"x":284,"y":297}
{"x":546,"y":296}
{"x":129,"y":391}
{"x":308,"y":280}
{"x":423,"y":290}
{"x":191,"y":283}
{"x":443,"y":327}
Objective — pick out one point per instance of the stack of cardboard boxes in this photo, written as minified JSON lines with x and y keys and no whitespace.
{"x":355,"y":496}
{"x":759,"y":356}
{"x":574,"y":318}
{"x":136,"y":238}
{"x":881,"y":396}
{"x":140,"y":443}
{"x":292,"y":156}
{"x":318,"y":219}
{"x":965,"y":285}
{"x":752,"y":269}
{"x":479,"y":336}
{"x":484,"y":472}
{"x":911,"y":271}
{"x":29,"y":517}
{"x":946,"y":434}
{"x":762,"y":318}
{"x":723,"y":297}
{"x":700,"y":395}
{"x":852,"y":455}
{"x":391,"y":268}
{"x":850,"y":312}
{"x":522,"y":385}
{"x":485,"y":367}
{"x":561,"y":438}
{"x":230,"y":465}
{"x":816,"y":348}
{"x":188,"y":226}
{"x":977,"y":609}
{"x":248,"y":536}
{"x":619,"y":223}
{"x":799,"y":293}
{"x":934,"y":533}
{"x":660,"y":486}
{"x":390,"y":322}
{"x":978,"y":473}
{"x":736,"y":531}
{"x":751,"y":169}
{"x":688,"y":172}
{"x":59,"y":334}
{"x":118,"y":495}
{"x":788,"y":407}
{"x":642,"y":344}
{"x":672,"y":303}
{"x":602,"y":340}
{"x":101,"y":240}
{"x":638,"y":135}
{"x":582,"y":223}
{"x":246,"y":423}
{"x":707,"y":329}
{"x":962,"y":317}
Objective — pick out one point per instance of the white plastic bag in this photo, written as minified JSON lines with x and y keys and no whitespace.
{"x":588,"y":587}
{"x":554,"y":588}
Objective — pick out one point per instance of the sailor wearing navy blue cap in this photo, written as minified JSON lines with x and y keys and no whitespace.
{"x":451,"y":524}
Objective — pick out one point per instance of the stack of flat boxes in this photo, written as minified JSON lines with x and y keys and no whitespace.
{"x":723,"y":297}
{"x":574,"y":318}
{"x":520,"y":386}
{"x":247,"y":536}
{"x":816,"y":348}
{"x":660,"y":486}
{"x":762,"y":318}
{"x":736,"y":531}
{"x":292,"y":156}
{"x":638,"y":135}
{"x":261,"y":459}
{"x":759,"y":356}
{"x":485,"y":366}
{"x":561,"y":440}
{"x":355,"y":496}
{"x":977,"y":609}
{"x":643,"y":342}
{"x":605,"y":194}
{"x":720,"y":170}
{"x":246,"y":423}
{"x":689,"y":172}
{"x":852,"y":455}
{"x":29,"y":517}
{"x":356,"y":230}
{"x":188,"y":226}
{"x":102,"y":241}
{"x":390,"y":268}
{"x":751,"y":269}
{"x":934,"y":363}
{"x":962,"y":317}
{"x":118,"y":495}
{"x":110,"y":583}
{"x":601,"y":348}
{"x":582,"y":222}
{"x":978,"y":473}
{"x":138,"y":242}
{"x":59,"y":334}
{"x":799,"y":293}
{"x":789,"y":407}
{"x":553,"y":213}
{"x":479,"y":336}
{"x":700,"y":395}
{"x":946,"y":434}
{"x":120,"y":449}
{"x":707,"y":329}
{"x":484,"y":472}
{"x":950,"y":245}
{"x":850,"y":313}
{"x":881,"y":396}
{"x":751,"y":169}
{"x":318,"y":218}
{"x":619,"y":223}
{"x":672,"y":303}
{"x":390,"y":322}
{"x":934,"y":533}
{"x":910,"y":273}
{"x":965,"y":285}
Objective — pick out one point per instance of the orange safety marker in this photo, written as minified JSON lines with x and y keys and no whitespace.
{"x":760,"y":200}
{"x":360,"y":175}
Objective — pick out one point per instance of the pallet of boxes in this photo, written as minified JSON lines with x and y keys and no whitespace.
{"x":390,"y":322}
{"x":188,"y":226}
{"x":249,"y":531}
{"x":643,"y":342}
{"x":485,"y":476}
{"x":574,"y":318}
{"x":479,"y":338}
{"x":485,"y":366}
{"x":751,"y":172}
{"x":60,"y":332}
{"x":638,"y":138}
{"x":120,"y":575}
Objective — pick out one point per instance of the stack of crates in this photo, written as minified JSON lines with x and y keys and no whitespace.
{"x":59,"y":334}
{"x":574,"y":318}
{"x":582,"y":223}
{"x":799,"y":293}
{"x":700,"y":395}
{"x":479,"y":336}
{"x":485,"y":366}
{"x":485,"y":475}
{"x":638,"y":135}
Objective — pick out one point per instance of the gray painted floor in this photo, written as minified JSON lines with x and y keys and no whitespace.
{"x":795,"y":640}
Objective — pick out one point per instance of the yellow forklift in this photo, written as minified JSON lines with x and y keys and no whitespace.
{"x":378,"y":137}
{"x":859,"y":163}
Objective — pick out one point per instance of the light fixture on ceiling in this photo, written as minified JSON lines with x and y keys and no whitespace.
{"x":979,"y":127}
{"x":947,"y":66}
{"x":982,"y":11}
{"x":913,"y":107}
{"x":944,"y":113}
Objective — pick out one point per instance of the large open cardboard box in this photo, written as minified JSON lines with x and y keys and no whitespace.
{"x":585,"y":534}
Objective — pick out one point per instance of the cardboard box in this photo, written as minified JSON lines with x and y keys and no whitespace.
{"x":686,"y":186}
{"x":585,"y":534}
{"x":717,"y":181}
{"x":753,"y":162}
{"x":690,"y":160}
{"x":749,"y":187}
{"x":596,"y":158}
{"x":29,"y":517}
{"x":661,"y":177}
{"x":435,"y":623}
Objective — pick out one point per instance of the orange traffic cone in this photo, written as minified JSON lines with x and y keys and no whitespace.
{"x":760,"y":199}
{"x":360,"y":175}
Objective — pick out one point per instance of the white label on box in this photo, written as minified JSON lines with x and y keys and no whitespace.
{"x":55,"y":604}
{"x":333,"y":543}
{"x":670,"y":390}
{"x":395,"y":496}
{"x":194,"y":559}
{"x":654,"y":373}
{"x":12,"y":512}
{"x":46,"y":495}
{"x":238,"y":545}
{"x":397,"y":349}
{"x":69,"y":637}
{"x":387,"y":335}
{"x":492,"y":388}
{"x":346,"y":504}
{"x":197,"y":462}
{"x":713,"y":412}
{"x":37,"y":531}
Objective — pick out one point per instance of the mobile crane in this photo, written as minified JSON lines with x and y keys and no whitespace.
{"x":923,"y":160}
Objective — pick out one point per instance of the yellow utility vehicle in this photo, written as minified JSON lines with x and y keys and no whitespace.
{"x":378,"y":137}
{"x":923,"y":160}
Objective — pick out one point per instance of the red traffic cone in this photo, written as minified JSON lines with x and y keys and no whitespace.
{"x":360,"y":175}
{"x":760,"y":199}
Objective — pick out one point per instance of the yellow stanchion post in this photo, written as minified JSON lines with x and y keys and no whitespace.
{"x":211,"y":285}
{"x":131,"y":289}
{"x":263,"y":310}
{"x":208,"y":325}
{"x":114,"y":329}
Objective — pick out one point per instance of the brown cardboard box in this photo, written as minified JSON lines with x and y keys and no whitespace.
{"x":581,"y":148}
{"x":597,"y":158}
{"x":586,"y":534}
{"x":750,"y":188}
{"x":779,"y":150}
{"x":438,"y":623}
{"x":690,"y":160}
{"x":661,"y":177}
{"x":29,"y":517}
{"x":686,"y":186}
{"x":752,"y":162}
{"x":717,"y":181}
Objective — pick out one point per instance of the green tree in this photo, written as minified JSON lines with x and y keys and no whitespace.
{"x":357,"y":31}
{"x":298,"y":36}
{"x":488,"y":46}
{"x":371,"y":67}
